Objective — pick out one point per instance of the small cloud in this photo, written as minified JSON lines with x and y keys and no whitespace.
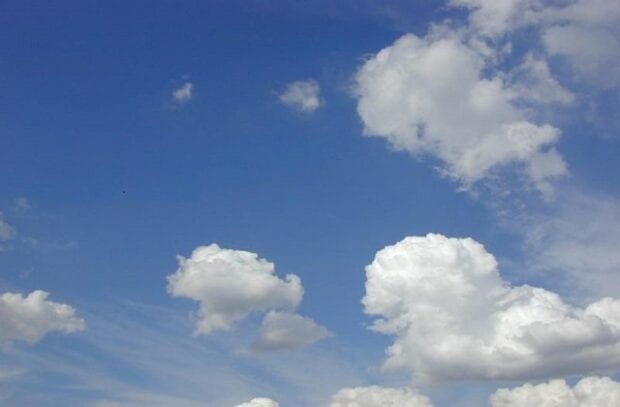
{"x":184,"y":93}
{"x":285,"y":330}
{"x":22,"y":204}
{"x":7,"y":232}
{"x":260,"y":402}
{"x":29,"y":318}
{"x":304,"y":96}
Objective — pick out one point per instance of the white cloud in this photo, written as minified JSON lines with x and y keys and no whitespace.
{"x":455,"y":318}
{"x":429,"y":96}
{"x":588,"y":392}
{"x":585,"y":32}
{"x":32,"y":317}
{"x":302,"y":95}
{"x":232,"y":284}
{"x":260,"y":402}
{"x":184,"y":93}
{"x":284,"y":330}
{"x":7,"y":232}
{"x":375,"y":396}
{"x":591,"y":51}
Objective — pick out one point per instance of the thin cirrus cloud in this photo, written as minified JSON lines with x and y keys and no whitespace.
{"x":429,"y":96}
{"x":589,"y":391}
{"x":486,"y":329}
{"x":32,"y":317}
{"x":577,"y":243}
{"x":376,"y":396}
{"x":232,"y":284}
{"x":304,"y":96}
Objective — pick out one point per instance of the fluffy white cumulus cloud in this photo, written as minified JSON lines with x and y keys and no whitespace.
{"x":588,"y":392}
{"x":375,"y":396}
{"x":260,"y":402}
{"x":32,"y":317}
{"x":454,"y":317}
{"x":302,"y":95}
{"x":230,"y":285}
{"x":285,"y":330}
{"x":429,"y":96}
{"x":184,"y":93}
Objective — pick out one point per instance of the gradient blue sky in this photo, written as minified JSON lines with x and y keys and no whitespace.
{"x":120,"y":179}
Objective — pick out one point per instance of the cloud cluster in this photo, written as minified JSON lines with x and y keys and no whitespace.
{"x":589,"y":391}
{"x":455,"y":318}
{"x":430,"y":96}
{"x":304,"y":96}
{"x":32,"y":317}
{"x":375,"y":396}
{"x":260,"y":402}
{"x":232,"y":284}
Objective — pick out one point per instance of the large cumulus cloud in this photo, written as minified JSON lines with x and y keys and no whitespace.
{"x":588,"y":392}
{"x":431,"y":96}
{"x":232,"y":284}
{"x":454,"y":318}
{"x":29,"y":318}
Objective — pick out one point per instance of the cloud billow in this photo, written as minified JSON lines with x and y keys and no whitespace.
{"x":454,"y":318}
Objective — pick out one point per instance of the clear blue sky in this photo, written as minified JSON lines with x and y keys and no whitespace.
{"x":118,"y":178}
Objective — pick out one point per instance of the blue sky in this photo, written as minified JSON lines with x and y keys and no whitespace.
{"x":107,"y":177}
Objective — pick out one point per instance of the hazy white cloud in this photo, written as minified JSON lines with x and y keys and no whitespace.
{"x":302,"y":95}
{"x":429,"y":96}
{"x":32,"y":317}
{"x":7,"y":232}
{"x":284,"y":330}
{"x":232,"y":284}
{"x":588,"y":392}
{"x":454,"y":317}
{"x":585,"y":32}
{"x":591,"y":51}
{"x":22,"y":204}
{"x":184,"y":93}
{"x":375,"y":396}
{"x":578,"y":242}
{"x":260,"y":402}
